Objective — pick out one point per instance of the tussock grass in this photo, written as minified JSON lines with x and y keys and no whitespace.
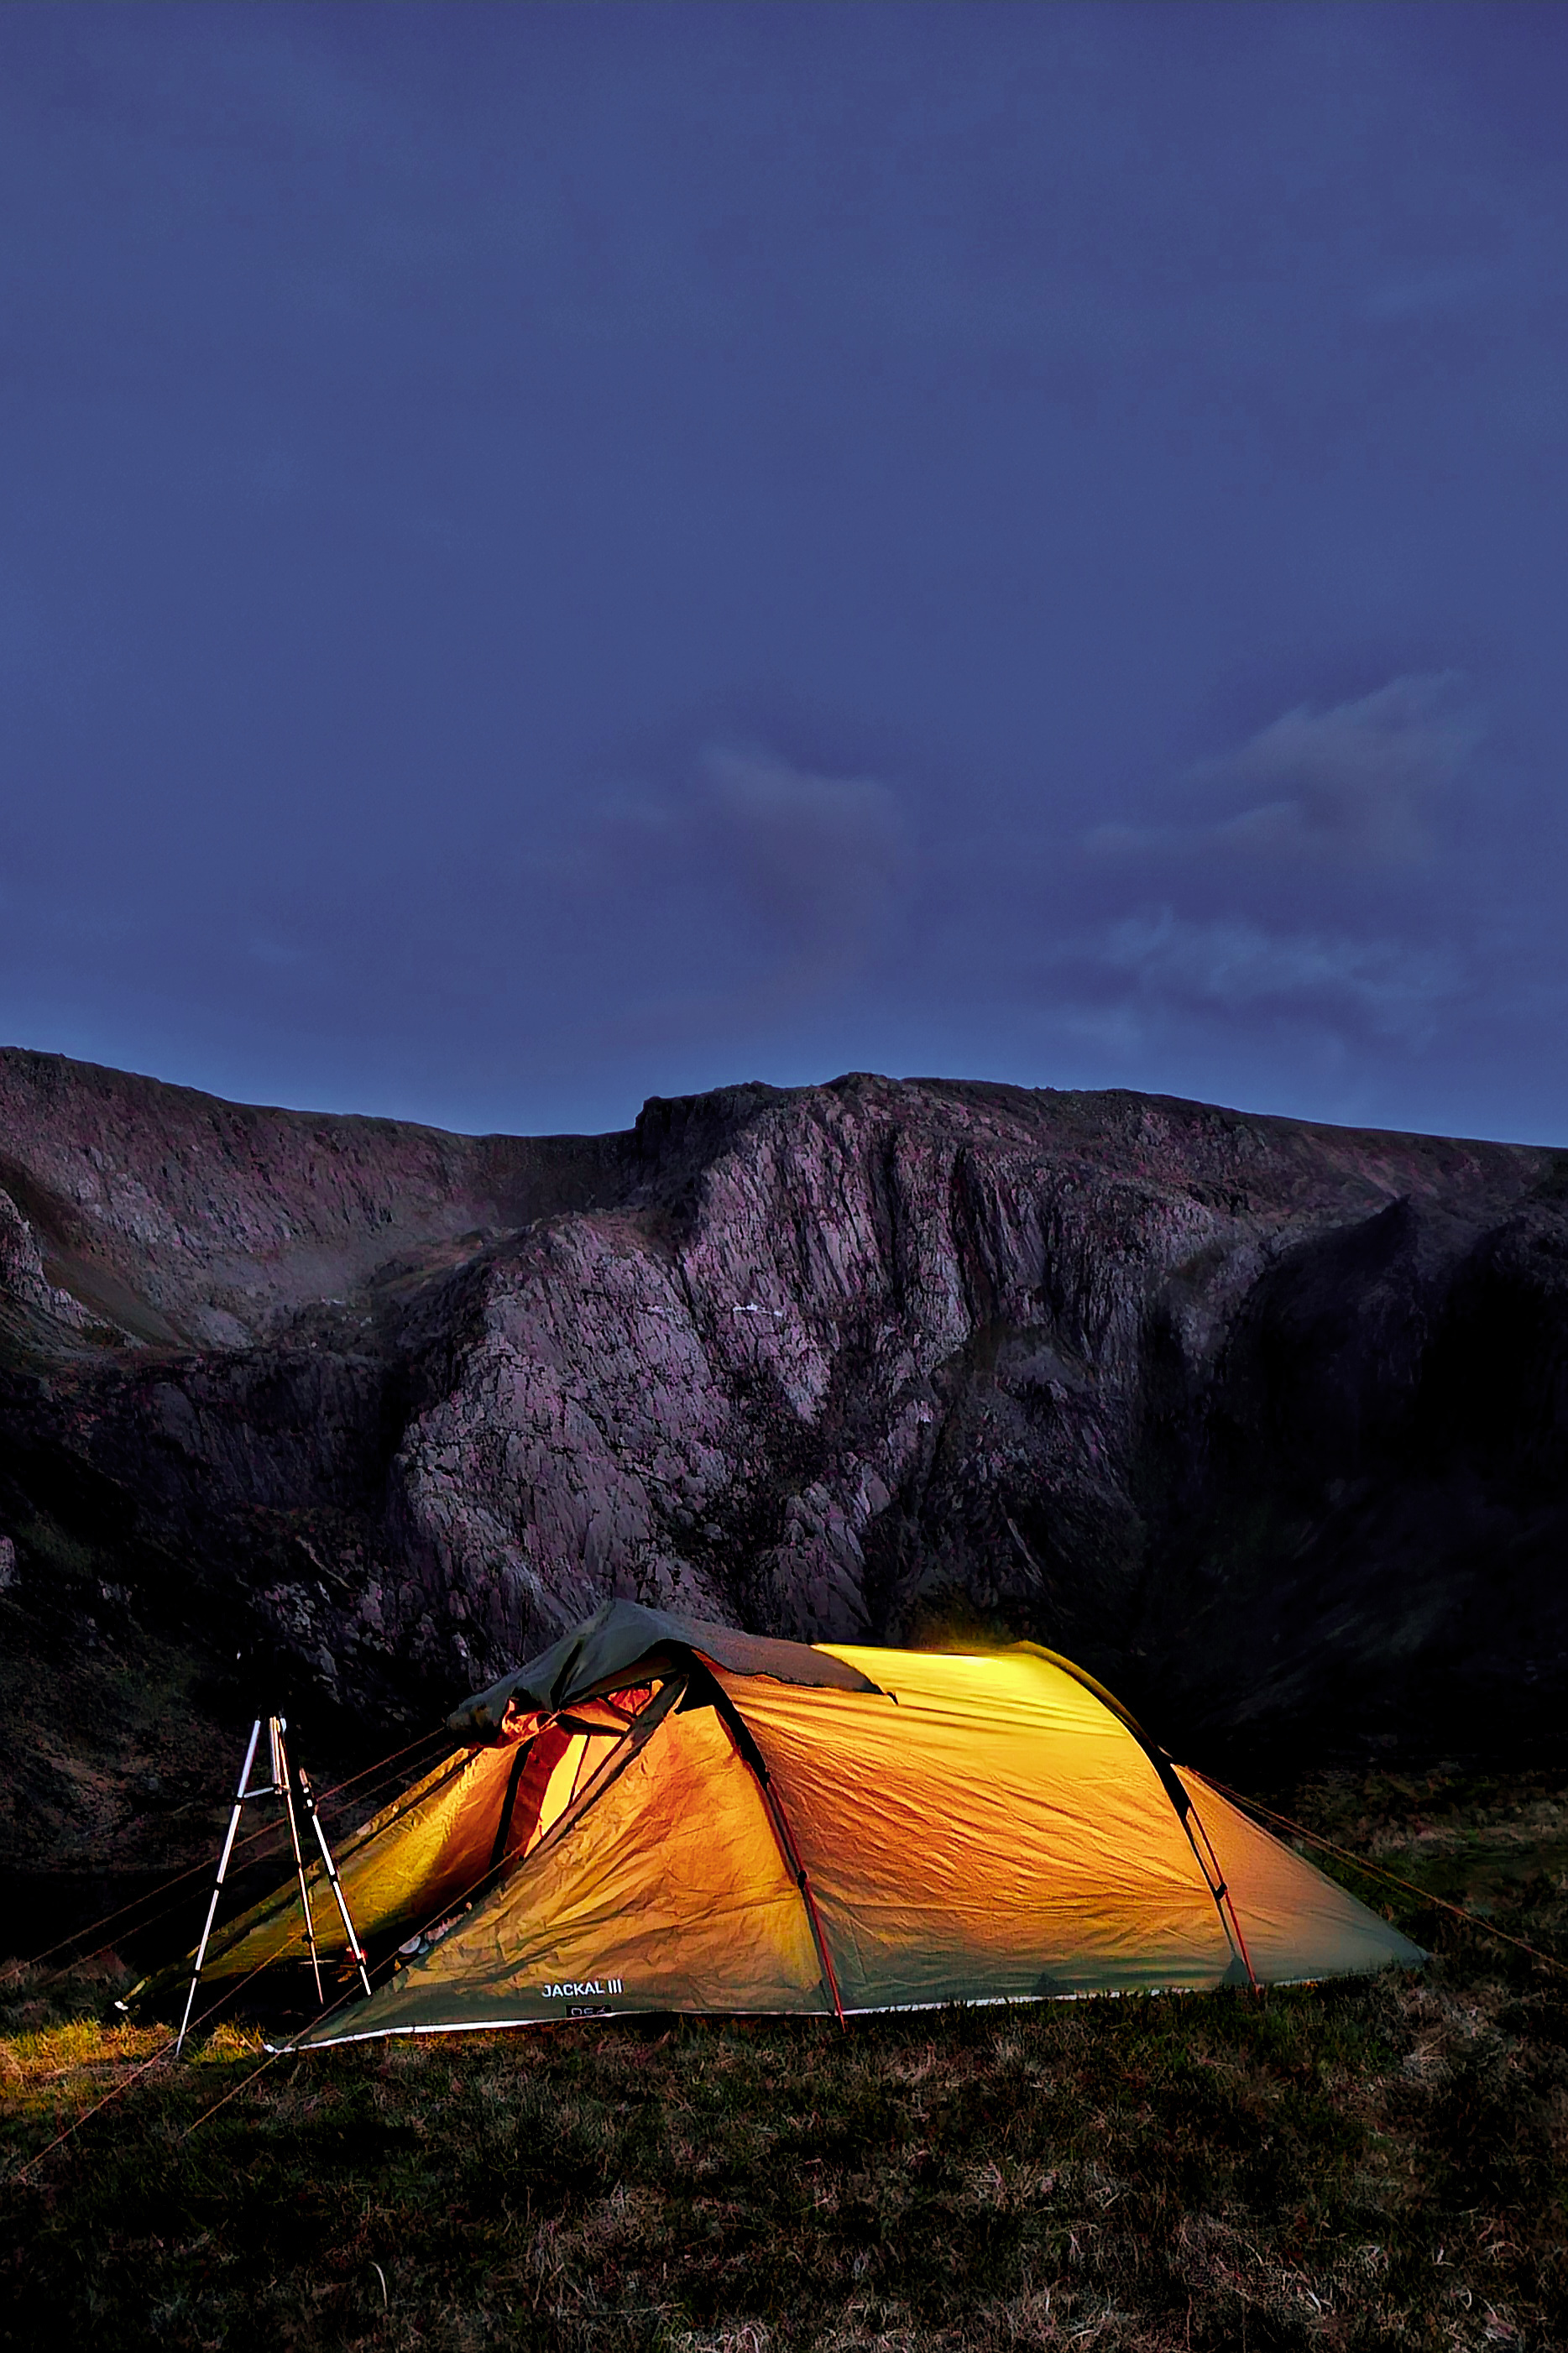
{"x":1381,"y":2164}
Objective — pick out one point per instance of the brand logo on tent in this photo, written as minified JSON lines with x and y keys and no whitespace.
{"x":570,"y":1991}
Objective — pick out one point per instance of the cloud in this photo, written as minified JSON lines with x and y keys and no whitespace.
{"x":810,"y":852}
{"x":1237,"y":968}
{"x":1357,"y":786}
{"x":750,"y":869}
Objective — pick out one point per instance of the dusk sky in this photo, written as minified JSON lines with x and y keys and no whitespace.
{"x":555,"y":553}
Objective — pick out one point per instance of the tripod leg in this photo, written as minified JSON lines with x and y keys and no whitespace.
{"x":287,"y":1787}
{"x":217,"y":1888}
{"x":355,"y":1947}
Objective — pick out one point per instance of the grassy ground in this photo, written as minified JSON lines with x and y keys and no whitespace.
{"x":1381,"y":2164}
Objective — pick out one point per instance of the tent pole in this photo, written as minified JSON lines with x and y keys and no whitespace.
{"x":355,"y":1948}
{"x":240,"y":1796}
{"x":755,"y":1763}
{"x":791,"y":1856}
{"x":1175,"y":1788}
{"x":286,"y":1791}
{"x":1221,"y":1893}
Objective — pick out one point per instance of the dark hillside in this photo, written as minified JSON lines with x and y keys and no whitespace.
{"x":1264,"y":1422}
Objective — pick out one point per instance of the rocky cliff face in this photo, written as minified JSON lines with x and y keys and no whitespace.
{"x":1264,"y":1422}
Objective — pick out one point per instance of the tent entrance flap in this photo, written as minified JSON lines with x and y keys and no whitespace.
{"x":670,"y":1891}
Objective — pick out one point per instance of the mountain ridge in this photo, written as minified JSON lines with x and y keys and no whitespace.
{"x":1263,"y":1420}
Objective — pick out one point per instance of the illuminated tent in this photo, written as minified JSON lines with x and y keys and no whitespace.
{"x":660,"y":1815}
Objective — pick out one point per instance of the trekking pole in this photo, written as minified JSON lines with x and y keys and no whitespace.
{"x":243,"y":1792}
{"x":286,"y":1791}
{"x":355,"y":1950}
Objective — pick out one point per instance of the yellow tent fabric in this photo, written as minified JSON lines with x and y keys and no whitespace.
{"x":426,"y":1854}
{"x":997,"y":1832}
{"x":932,"y":1829}
{"x":670,"y":1893}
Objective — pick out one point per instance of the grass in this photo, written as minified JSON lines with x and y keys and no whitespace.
{"x":1375,"y":2164}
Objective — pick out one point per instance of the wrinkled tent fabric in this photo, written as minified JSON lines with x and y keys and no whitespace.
{"x":463,"y":1826}
{"x":671,"y":1816}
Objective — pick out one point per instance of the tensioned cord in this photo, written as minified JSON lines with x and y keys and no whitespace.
{"x":1376,"y":1871}
{"x":285,"y":2051}
{"x":163,"y":2052}
{"x":195,"y":1870}
{"x":585,"y":1797}
{"x":228,"y":1995}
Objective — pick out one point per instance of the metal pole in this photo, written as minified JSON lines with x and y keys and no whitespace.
{"x":217,"y":1889}
{"x":310,"y":1805}
{"x":286,"y":1791}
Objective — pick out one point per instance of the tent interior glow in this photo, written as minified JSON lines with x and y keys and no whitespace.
{"x":659,"y":1815}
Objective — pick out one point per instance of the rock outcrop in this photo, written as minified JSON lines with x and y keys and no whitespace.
{"x":1265,"y":1422}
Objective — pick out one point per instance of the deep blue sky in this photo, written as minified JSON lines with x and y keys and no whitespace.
{"x":552,"y":553}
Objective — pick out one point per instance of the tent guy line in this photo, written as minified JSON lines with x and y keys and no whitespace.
{"x":165,"y":2050}
{"x":377,"y":1773}
{"x":170,"y":2048}
{"x":1391,"y":1878}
